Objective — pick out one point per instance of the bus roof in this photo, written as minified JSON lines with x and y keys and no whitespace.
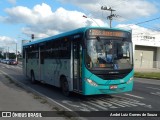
{"x":80,"y":30}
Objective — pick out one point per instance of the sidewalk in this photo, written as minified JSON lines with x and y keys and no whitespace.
{"x":146,"y":70}
{"x":15,"y":98}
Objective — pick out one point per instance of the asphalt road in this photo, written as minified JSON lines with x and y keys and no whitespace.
{"x":144,"y":97}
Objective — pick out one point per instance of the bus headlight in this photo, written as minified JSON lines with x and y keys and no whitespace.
{"x":91,"y":82}
{"x":130,"y":80}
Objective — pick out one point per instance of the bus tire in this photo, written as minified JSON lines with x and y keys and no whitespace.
{"x":65,"y":87}
{"x":33,"y":81}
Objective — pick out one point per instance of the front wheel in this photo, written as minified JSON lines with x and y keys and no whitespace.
{"x":65,"y":87}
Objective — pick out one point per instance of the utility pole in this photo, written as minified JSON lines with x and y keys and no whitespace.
{"x":110,"y":17}
{"x":6,"y":53}
{"x":16,"y":53}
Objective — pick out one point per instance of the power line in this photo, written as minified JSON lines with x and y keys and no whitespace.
{"x":147,"y":21}
{"x":153,"y":28}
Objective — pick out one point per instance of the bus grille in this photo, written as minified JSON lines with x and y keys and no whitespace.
{"x":112,"y":76}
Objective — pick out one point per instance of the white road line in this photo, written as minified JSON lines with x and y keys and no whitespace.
{"x":97,"y":105}
{"x":157,"y":93}
{"x":153,"y":88}
{"x":85,"y":105}
{"x":134,"y":96}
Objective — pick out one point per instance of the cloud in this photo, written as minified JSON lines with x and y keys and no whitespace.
{"x":137,"y":30}
{"x":42,"y":21}
{"x":134,"y":28}
{"x":126,"y":9}
{"x":4,"y":40}
{"x":12,"y":1}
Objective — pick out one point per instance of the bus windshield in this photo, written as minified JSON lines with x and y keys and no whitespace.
{"x":109,"y":54}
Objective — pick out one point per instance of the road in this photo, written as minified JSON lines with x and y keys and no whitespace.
{"x":144,"y":97}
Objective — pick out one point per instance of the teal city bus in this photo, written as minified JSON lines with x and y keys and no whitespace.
{"x":88,"y":61}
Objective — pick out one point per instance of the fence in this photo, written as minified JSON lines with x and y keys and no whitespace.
{"x":151,"y":66}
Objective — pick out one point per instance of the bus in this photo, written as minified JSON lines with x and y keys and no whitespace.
{"x":88,"y":61}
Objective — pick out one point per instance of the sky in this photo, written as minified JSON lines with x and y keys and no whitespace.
{"x":43,"y":18}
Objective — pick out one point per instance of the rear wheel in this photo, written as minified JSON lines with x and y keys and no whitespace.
{"x":65,"y":87}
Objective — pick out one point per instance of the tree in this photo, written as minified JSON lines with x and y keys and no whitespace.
{"x":1,"y":56}
{"x":12,"y":55}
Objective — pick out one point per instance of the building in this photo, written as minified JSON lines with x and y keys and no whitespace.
{"x":146,"y":46}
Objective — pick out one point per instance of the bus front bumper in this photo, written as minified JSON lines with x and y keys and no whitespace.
{"x":107,"y":89}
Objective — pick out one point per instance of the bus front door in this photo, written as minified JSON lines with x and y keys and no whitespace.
{"x":77,"y":82}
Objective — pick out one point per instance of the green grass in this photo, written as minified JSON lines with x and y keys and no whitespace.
{"x":149,"y":75}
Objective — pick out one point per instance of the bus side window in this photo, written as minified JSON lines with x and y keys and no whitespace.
{"x":56,"y":46}
{"x":65,"y":49}
{"x":42,"y":57}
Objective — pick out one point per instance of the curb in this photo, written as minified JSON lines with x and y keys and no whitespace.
{"x":61,"y":109}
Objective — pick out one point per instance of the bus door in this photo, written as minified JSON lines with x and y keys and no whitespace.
{"x":41,"y":63}
{"x":77,"y":69}
{"x":25,"y":62}
{"x":41,"y":72}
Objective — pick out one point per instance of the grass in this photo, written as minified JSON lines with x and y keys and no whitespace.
{"x":149,"y":75}
{"x":9,"y":79}
{"x":36,"y":97}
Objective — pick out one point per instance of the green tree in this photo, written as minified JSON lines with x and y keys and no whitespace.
{"x":1,"y":56}
{"x":12,"y":55}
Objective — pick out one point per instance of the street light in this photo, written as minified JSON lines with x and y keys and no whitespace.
{"x":7,"y":52}
{"x":91,"y":19}
{"x":16,"y":52}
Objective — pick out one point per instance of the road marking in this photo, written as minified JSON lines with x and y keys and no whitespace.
{"x":113,"y":102}
{"x":29,"y":88}
{"x":97,"y":105}
{"x":8,"y":67}
{"x":134,"y":96}
{"x":132,"y":101}
{"x":81,"y":107}
{"x":93,"y":109}
{"x":157,"y":93}
{"x":153,"y":88}
{"x":126,"y":103}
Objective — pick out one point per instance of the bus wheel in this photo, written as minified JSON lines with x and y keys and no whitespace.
{"x":33,"y":78}
{"x":65,"y":87}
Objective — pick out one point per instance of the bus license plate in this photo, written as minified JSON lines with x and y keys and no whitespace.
{"x":113,"y":86}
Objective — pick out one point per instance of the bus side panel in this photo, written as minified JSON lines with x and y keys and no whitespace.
{"x":54,"y":68}
{"x":47,"y":73}
{"x":24,"y":66}
{"x":28,"y":69}
{"x":32,"y":64}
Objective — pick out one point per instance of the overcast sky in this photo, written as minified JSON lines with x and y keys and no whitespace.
{"x":21,"y":18}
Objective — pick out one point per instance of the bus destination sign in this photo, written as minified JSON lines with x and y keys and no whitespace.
{"x":106,"y":33}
